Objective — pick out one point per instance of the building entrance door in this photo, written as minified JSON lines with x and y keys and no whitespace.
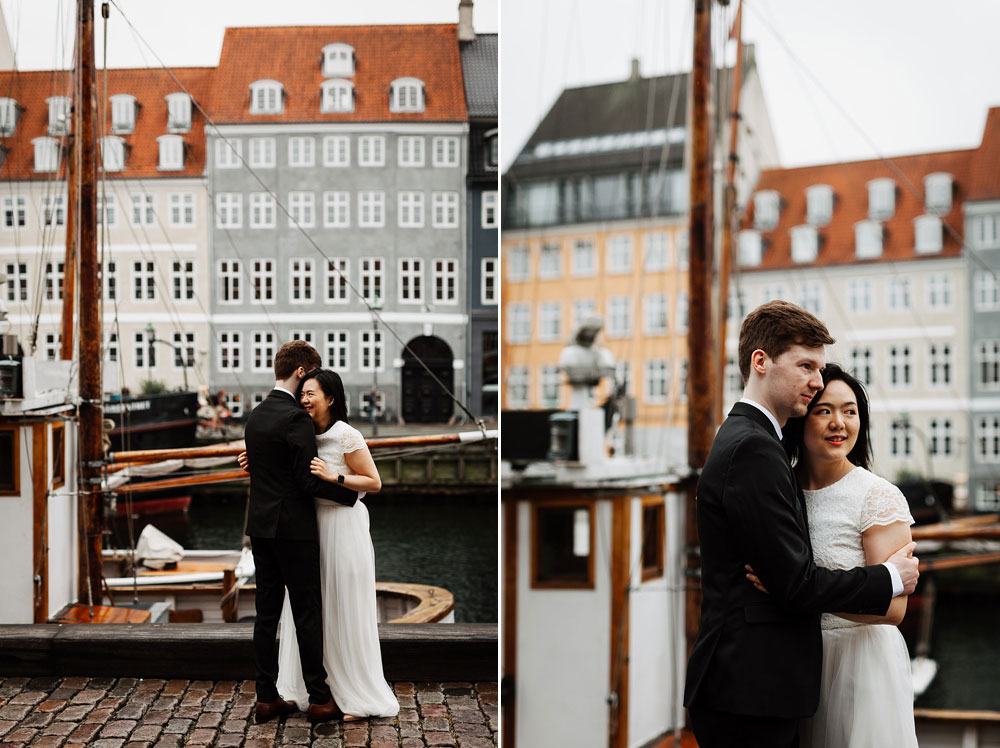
{"x":423,"y":400}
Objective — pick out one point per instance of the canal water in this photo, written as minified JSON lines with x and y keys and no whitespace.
{"x":449,"y":542}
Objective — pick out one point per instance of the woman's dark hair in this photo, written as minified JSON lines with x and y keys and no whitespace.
{"x":861,"y":455}
{"x":329,"y":381}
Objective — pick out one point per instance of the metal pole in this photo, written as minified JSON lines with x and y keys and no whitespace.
{"x":91,"y":450}
{"x":375,"y":362}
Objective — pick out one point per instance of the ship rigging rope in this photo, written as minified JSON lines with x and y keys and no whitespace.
{"x":294,"y":222}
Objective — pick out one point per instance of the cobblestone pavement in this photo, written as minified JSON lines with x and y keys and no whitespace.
{"x":151,"y":713}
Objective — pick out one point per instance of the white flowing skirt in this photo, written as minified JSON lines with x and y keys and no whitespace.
{"x":351,"y":652}
{"x":866,"y":696}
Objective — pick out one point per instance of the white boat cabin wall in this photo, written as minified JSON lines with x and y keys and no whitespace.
{"x":38,"y":500}
{"x":598,"y":650}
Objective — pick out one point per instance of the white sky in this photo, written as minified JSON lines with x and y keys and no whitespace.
{"x":189,"y":32}
{"x":915,"y":75}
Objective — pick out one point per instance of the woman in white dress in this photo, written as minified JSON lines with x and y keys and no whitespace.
{"x":856,"y":518}
{"x":351,"y":652}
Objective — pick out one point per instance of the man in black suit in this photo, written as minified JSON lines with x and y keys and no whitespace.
{"x":281,"y":442}
{"x":754,"y":669}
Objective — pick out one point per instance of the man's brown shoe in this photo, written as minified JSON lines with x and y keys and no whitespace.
{"x":268,"y":710}
{"x":324,"y":712}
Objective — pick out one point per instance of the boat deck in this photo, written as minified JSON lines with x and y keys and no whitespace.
{"x":113,"y":712}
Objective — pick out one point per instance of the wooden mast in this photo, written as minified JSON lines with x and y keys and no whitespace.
{"x":729,"y":207}
{"x":91,"y":451}
{"x":69,"y":270}
{"x":701,"y":369}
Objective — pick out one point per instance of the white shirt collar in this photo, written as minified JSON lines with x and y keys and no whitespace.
{"x":766,"y":412}
{"x":292,"y":394}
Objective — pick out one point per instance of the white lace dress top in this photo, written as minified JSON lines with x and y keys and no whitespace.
{"x":841,"y":512}
{"x":332,"y":446}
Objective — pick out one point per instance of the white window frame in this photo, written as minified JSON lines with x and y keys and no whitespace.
{"x":302,"y":209}
{"x":262,"y":152}
{"x":488,"y":281}
{"x":371,"y":150}
{"x":881,"y":199}
{"x":60,"y":115}
{"x":338,"y":350}
{"x":900,"y":293}
{"x":900,"y":366}
{"x":550,"y":322}
{"x":48,"y":154}
{"x":548,"y":386}
{"x":488,"y":212}
{"x":371,"y":209}
{"x":984,"y":231}
{"x":444,"y":280}
{"x":987,"y":362}
{"x":15,"y":212}
{"x":550,"y":261}
{"x":17,"y":282}
{"x":859,"y":295}
{"x":262,"y":343}
{"x":867,"y":239}
{"x":301,"y":151}
{"x":619,"y":322}
{"x":805,"y":243}
{"x":410,"y":210}
{"x":655,"y":317}
{"x":143,"y":211}
{"x":371,"y":346}
{"x":228,"y":210}
{"x":406,"y":95}
{"x":230,"y":281}
{"x":410,"y":150}
{"x":337,"y":209}
{"x":171,"y":153}
{"x":301,"y":280}
{"x":123,"y":108}
{"x":941,"y":364}
{"x":518,"y":387}
{"x":928,"y":234}
{"x":410,"y":280}
{"x":53,"y":210}
{"x":337,"y":151}
{"x":107,"y":210}
{"x":371,"y":278}
{"x":445,"y":210}
{"x":112,"y":153}
{"x":446,"y":151}
{"x":338,"y":60}
{"x":54,"y":280}
{"x":940,"y":291}
{"x":986,"y":291}
{"x":263,"y":280}
{"x":263,"y":210}
{"x":518,"y":319}
{"x":228,"y":153}
{"x":182,"y":280}
{"x":766,"y":209}
{"x":180,"y":209}
{"x":517,"y":264}
{"x":266,"y":97}
{"x":819,"y":204}
{"x":336,"y":96}
{"x":863,"y":364}
{"x":938,"y":192}
{"x":178,"y":112}
{"x":583,"y":248}
{"x":336,"y":290}
{"x":655,"y":381}
{"x":184,"y":343}
{"x":987,"y":439}
{"x":618,"y":253}
{"x":811,"y":297}
{"x":751,"y":248}
{"x":143,"y":280}
{"x":143,"y":353}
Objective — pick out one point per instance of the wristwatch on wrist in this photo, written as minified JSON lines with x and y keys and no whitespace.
{"x":340,"y":478}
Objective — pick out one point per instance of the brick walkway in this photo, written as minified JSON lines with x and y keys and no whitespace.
{"x":133,"y":713}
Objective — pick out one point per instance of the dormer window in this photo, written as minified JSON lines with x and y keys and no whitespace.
{"x":338,"y":61}
{"x":122,"y":113}
{"x":59,"y":114}
{"x":867,"y":239}
{"x":406,"y":95}
{"x":881,"y":199}
{"x":751,"y":248}
{"x":178,"y":112}
{"x":47,"y":154}
{"x":766,"y":205}
{"x":937,"y":193}
{"x":113,"y":153}
{"x":805,"y":244}
{"x":492,"y":150}
{"x":819,"y":204}
{"x":928,"y":234}
{"x":337,"y":96}
{"x":171,"y":152}
{"x":9,"y":111}
{"x":266,"y":97}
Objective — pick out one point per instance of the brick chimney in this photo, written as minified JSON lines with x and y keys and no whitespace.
{"x":465,"y":31}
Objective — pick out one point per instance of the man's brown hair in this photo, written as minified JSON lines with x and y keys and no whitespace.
{"x":775,"y":327}
{"x":292,"y":355}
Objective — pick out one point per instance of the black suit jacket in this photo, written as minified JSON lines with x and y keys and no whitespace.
{"x":281,"y":442}
{"x":761,"y":654}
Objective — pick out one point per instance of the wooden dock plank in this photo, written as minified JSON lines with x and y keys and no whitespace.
{"x":417,"y":652}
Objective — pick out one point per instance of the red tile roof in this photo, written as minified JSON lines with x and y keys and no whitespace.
{"x":292,"y":55}
{"x":149,"y":86}
{"x":984,"y":181}
{"x":850,"y":188}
